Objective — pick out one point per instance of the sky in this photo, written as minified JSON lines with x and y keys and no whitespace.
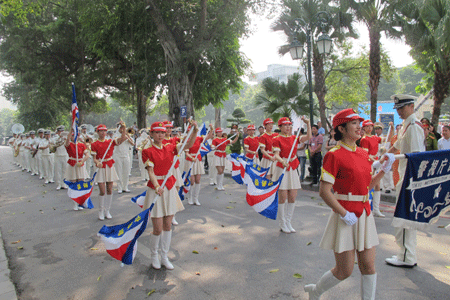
{"x":262,"y":49}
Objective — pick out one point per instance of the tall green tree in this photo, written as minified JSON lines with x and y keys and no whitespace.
{"x":426,"y":27}
{"x":279,"y":99}
{"x":200,"y":40}
{"x":339,"y":28}
{"x":378,"y":17}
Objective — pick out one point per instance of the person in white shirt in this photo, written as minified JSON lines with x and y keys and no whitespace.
{"x":122,"y":159}
{"x":61,"y":157}
{"x":46,"y":156}
{"x":444,"y":141}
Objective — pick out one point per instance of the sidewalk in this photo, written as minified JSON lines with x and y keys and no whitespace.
{"x":7,"y":289}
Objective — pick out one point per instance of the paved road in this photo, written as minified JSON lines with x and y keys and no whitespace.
{"x":62,"y":257}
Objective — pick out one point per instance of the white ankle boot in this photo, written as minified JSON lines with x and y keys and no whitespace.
{"x":368,"y":286}
{"x":289,"y":214}
{"x":197,"y":194}
{"x":166,"y":237}
{"x":282,"y":218}
{"x":325,"y":283}
{"x":108,"y":206}
{"x":174,"y":222}
{"x":154,"y":246}
{"x":376,"y":204}
{"x":101,"y":212}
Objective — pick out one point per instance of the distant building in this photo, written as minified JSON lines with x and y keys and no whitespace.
{"x":280,"y":72}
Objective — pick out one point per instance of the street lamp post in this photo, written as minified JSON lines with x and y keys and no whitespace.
{"x":323,"y":44}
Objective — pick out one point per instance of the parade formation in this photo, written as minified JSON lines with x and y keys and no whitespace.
{"x":349,"y":181}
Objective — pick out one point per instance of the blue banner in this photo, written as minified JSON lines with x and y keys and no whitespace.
{"x":425,"y":192}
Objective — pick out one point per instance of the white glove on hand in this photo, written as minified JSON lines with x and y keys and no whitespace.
{"x":350,"y":218}
{"x":376,"y":165}
{"x":387,"y":165}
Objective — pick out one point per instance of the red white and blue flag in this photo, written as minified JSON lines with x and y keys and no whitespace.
{"x":121,"y":240}
{"x":258,"y":170}
{"x":75,"y":114}
{"x":262,"y":193}
{"x":186,"y":186}
{"x":139,"y":199}
{"x":205,"y":148}
{"x":80,"y":192}
{"x":237,"y":167}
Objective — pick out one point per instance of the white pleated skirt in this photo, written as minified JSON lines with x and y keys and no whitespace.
{"x":340,"y":237}
{"x":167,"y":204}
{"x":177,"y":174}
{"x":74,"y":173}
{"x":106,"y":175}
{"x":290,"y":181}
{"x":219,"y":161}
{"x":197,"y":168}
{"x":265,"y":163}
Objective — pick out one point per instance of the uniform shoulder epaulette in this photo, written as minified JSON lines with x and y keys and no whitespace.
{"x":337,"y":147}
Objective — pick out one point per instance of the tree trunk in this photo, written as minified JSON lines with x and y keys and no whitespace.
{"x":218,"y":121}
{"x":180,"y":93}
{"x":441,"y":90}
{"x":319,"y":86}
{"x":141,"y":104}
{"x":375,"y":70}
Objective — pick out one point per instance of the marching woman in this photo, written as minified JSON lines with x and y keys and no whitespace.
{"x":251,"y":144}
{"x":347,"y":169}
{"x":158,"y":160}
{"x":106,"y":174}
{"x":266,"y":142}
{"x":220,"y":154}
{"x":197,"y":169}
{"x":78,"y":154}
{"x":282,"y":145}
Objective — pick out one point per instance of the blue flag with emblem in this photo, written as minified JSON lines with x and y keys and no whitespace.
{"x":81,"y":191}
{"x":425,"y":191}
{"x":203,"y":130}
{"x":205,"y":148}
{"x":186,"y":186}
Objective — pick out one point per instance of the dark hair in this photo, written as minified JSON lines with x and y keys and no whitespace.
{"x":302,"y":130}
{"x":338,"y":135}
{"x":428,"y":121}
{"x":446,"y":126}
{"x":277,"y":130}
{"x":261,"y":127}
{"x":317,"y":127}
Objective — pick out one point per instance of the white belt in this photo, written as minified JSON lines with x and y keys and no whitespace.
{"x":292,"y":158}
{"x":351,"y":197}
{"x":221,"y":151}
{"x":160,"y":177}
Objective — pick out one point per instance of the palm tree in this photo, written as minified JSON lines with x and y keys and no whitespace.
{"x":279,"y":99}
{"x":340,"y":27}
{"x":426,"y":29}
{"x":377,"y":16}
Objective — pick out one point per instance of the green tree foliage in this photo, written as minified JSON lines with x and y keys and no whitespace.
{"x":426,"y":27}
{"x":7,"y":119}
{"x":238,"y":117}
{"x":279,"y":99}
{"x":377,"y":16}
{"x":339,"y":28}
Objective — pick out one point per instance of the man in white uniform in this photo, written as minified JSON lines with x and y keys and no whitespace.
{"x":60,"y":159}
{"x":85,"y":139}
{"x":122,"y":162}
{"x":411,"y":139}
{"x":46,"y":156}
{"x":143,"y":142}
{"x":38,"y":157}
{"x":28,"y":148}
{"x":11,"y":142}
{"x":444,"y":141}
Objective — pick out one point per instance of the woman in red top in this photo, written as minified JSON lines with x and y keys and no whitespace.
{"x":370,"y":143}
{"x":347,"y":170}
{"x":266,"y":142}
{"x":251,"y":143}
{"x":157,"y":160}
{"x":106,"y":174}
{"x":282,"y":145}
{"x":76,"y":170}
{"x":220,"y":154}
{"x":197,"y":170}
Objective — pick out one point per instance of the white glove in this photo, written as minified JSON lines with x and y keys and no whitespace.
{"x":387,"y":165}
{"x":350,"y":218}
{"x":376,"y":165}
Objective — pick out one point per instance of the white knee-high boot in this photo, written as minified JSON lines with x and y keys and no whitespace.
{"x":325,"y":283}
{"x":108,"y":206}
{"x":154,"y":247}
{"x":197,"y":193}
{"x":221,"y":181}
{"x":282,"y":218}
{"x":101,"y":212}
{"x":289,"y":214}
{"x":218,"y":181}
{"x":190,"y":194}
{"x":368,"y":286}
{"x":166,"y":238}
{"x":376,"y":204}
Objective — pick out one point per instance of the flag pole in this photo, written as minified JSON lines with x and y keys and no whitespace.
{"x":173,"y":163}
{"x":226,"y":140}
{"x":387,"y":136}
{"x":192,"y":164}
{"x":292,"y":149}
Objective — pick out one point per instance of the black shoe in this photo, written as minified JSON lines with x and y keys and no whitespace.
{"x":388,"y":191}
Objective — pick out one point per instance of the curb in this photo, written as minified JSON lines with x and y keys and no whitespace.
{"x":7,"y":289}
